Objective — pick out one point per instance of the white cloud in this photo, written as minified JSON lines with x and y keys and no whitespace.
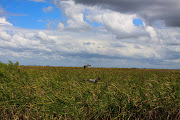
{"x":114,"y":21}
{"x":75,"y":15}
{"x":3,"y":21}
{"x":66,"y":46}
{"x":20,"y":41}
{"x":61,"y":26}
{"x":48,"y":9}
{"x":151,"y":31}
{"x":118,"y":23}
{"x":5,"y":36}
{"x":42,"y":36}
{"x":151,"y":11}
{"x":75,"y":41}
{"x":78,"y":26}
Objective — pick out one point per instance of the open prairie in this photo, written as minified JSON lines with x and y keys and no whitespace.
{"x":37,"y":92}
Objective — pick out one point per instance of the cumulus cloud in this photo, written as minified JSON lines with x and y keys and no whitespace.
{"x":75,"y":40}
{"x":119,"y":24}
{"x":22,"y":40}
{"x":99,"y":47}
{"x":79,"y":16}
{"x":5,"y":36}
{"x":115,"y":21}
{"x":74,"y":13}
{"x":61,"y":26}
{"x":152,"y":10}
{"x":42,"y":36}
{"x":4,"y":21}
{"x":151,"y":32}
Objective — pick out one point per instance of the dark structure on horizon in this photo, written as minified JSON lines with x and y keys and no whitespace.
{"x":86,"y":65}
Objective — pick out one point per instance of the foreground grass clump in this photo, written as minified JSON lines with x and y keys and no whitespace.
{"x":28,"y":92}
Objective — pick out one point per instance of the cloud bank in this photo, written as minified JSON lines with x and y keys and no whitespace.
{"x":116,"y":42}
{"x":150,"y":10}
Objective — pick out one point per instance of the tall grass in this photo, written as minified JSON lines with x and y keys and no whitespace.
{"x":34,"y":92}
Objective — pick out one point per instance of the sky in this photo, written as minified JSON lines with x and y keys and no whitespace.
{"x":104,"y":33}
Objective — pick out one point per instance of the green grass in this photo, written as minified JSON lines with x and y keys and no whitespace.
{"x":34,"y":92}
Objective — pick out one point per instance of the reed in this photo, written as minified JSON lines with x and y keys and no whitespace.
{"x":37,"y":92}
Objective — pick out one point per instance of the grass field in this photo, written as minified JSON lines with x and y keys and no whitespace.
{"x":37,"y":92}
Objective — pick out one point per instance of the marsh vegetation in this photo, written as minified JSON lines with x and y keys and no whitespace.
{"x":37,"y":92}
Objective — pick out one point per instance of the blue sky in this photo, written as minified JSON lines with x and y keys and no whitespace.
{"x":30,"y":14}
{"x":105,"y":34}
{"x":137,"y":22}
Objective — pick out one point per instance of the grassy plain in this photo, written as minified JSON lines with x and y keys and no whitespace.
{"x":37,"y":92}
